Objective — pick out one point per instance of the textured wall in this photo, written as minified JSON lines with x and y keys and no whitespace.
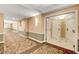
{"x":32,"y":27}
{"x":1,"y":23}
{"x":22,"y":25}
{"x":36,"y":24}
{"x":36,"y":27}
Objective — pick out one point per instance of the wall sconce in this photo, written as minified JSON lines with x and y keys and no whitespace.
{"x":36,"y":21}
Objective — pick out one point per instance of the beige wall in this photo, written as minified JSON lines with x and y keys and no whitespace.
{"x":22,"y":25}
{"x":36,"y":24}
{"x":33,"y":24}
{"x":1,"y":23}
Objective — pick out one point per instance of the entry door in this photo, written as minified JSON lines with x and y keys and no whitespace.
{"x":62,"y":29}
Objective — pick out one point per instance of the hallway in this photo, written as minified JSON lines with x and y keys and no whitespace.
{"x":39,"y":29}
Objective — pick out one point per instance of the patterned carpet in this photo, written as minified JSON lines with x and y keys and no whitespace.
{"x":46,"y":49}
{"x":14,"y":43}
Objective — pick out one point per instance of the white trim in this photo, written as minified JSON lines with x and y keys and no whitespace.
{"x":45,"y":29}
{"x":37,"y":32}
{"x":22,"y":35}
{"x":35,"y":40}
{"x":60,"y":12}
{"x":76,"y":44}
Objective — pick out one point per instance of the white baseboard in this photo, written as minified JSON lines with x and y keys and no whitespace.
{"x":35,"y":39}
{"x":23,"y":35}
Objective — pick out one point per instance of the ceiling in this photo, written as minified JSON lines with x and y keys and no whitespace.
{"x":19,"y":11}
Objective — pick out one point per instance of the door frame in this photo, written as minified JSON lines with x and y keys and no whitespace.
{"x":56,"y":14}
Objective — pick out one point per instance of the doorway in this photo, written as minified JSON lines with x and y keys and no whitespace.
{"x":61,"y":30}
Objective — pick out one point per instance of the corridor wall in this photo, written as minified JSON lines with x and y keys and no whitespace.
{"x":36,"y":28}
{"x":1,"y":33}
{"x":32,"y":27}
{"x":22,"y":27}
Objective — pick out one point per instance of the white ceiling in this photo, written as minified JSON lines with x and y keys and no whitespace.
{"x":19,"y":11}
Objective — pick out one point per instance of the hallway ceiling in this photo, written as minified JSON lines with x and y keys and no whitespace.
{"x":19,"y":11}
